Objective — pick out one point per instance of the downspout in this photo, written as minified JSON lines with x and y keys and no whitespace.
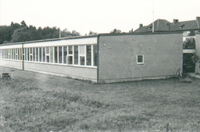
{"x":98,"y":59}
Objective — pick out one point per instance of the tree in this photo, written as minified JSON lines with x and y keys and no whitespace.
{"x":4,"y":34}
{"x":66,"y":33}
{"x":7,"y":31}
{"x":92,"y":33}
{"x":21,"y":32}
{"x":74,"y":33}
{"x":23,"y":24}
{"x":115,"y":31}
{"x":20,"y":35}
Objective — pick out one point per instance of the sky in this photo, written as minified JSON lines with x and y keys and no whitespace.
{"x":99,"y":16}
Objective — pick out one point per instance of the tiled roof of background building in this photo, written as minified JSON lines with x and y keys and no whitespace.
{"x":164,"y":25}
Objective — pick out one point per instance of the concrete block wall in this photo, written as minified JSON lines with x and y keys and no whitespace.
{"x":117,"y":56}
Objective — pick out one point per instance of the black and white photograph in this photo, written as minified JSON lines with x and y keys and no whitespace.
{"x":99,"y":65}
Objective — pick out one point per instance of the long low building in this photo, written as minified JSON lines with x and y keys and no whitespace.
{"x":102,"y":58}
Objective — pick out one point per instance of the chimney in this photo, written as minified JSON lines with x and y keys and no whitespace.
{"x":141,"y":25}
{"x":175,"y":21}
{"x":198,"y":21}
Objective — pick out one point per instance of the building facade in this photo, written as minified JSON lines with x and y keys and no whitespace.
{"x":188,"y":28}
{"x":102,"y":58}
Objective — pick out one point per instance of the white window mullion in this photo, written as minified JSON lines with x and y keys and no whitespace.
{"x":85,"y":55}
{"x":73,"y":55}
{"x":92,"y":63}
{"x":42,"y":54}
{"x":78,"y":55}
{"x":35,"y":53}
{"x":58,"y":54}
{"x":38,"y":54}
{"x":53,"y":55}
{"x":62,"y":55}
{"x":45,"y":54}
{"x":67,"y":55}
{"x":50,"y":55}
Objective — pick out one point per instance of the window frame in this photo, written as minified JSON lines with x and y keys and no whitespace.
{"x":82,"y":55}
{"x":140,"y":63}
{"x":47,"y":54}
{"x":70,"y":55}
{"x":30,"y":54}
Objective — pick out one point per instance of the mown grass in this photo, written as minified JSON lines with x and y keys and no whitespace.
{"x":61,"y":104}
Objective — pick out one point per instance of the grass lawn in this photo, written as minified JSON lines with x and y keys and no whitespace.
{"x":37,"y":102}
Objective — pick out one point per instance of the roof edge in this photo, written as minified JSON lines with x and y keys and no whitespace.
{"x":52,"y":39}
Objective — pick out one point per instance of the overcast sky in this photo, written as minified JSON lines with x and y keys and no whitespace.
{"x":100,"y":16}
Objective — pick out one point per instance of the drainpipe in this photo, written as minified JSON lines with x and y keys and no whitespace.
{"x":98,"y":59}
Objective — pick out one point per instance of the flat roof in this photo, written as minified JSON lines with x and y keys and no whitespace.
{"x":46,"y":40}
{"x":89,"y":36}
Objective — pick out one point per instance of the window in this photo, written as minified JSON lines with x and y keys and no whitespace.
{"x":9,"y":54}
{"x":55,"y":55}
{"x":3,"y":53}
{"x":95,"y":55}
{"x":51,"y":54}
{"x":70,"y":55}
{"x":6,"y":54}
{"x":65,"y":54}
{"x":43,"y":54}
{"x":181,"y":26}
{"x":16,"y":54}
{"x":20,"y":54}
{"x":47,"y":54}
{"x":31,"y":54}
{"x":27,"y":54}
{"x":13,"y":54}
{"x":47,"y":50}
{"x":89,"y":54}
{"x":60,"y":54}
{"x":76,"y":55}
{"x":40,"y":54}
{"x":140,"y":59}
{"x":150,"y":27}
{"x":36,"y":54}
{"x":23,"y":54}
{"x":82,"y":54}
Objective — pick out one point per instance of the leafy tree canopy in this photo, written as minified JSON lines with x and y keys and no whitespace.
{"x":21,"y":32}
{"x":115,"y":31}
